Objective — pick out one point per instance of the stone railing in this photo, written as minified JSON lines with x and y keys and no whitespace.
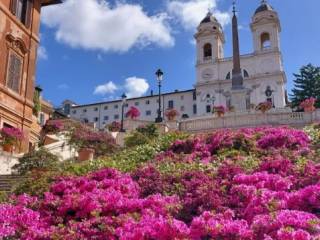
{"x":239,"y":120}
{"x":7,"y":161}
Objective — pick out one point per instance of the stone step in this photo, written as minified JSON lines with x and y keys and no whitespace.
{"x":8,"y":181}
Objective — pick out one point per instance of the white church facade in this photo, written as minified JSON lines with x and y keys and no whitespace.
{"x":240,"y":81}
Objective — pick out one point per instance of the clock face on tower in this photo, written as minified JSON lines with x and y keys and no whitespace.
{"x":207,"y":74}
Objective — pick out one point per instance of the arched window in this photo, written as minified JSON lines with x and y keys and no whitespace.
{"x":245,"y":73}
{"x":228,"y":76}
{"x":207,"y":51}
{"x":265,"y":41}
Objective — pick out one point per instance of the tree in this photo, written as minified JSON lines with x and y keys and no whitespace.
{"x":306,"y":85}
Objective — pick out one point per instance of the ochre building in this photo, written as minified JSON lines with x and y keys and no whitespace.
{"x":19,"y":41}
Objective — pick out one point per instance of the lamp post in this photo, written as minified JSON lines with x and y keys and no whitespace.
{"x":159,"y":75}
{"x":124,"y":99}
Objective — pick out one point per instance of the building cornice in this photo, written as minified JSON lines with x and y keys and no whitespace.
{"x":21,"y":26}
{"x":250,"y":79}
{"x":132,"y":99}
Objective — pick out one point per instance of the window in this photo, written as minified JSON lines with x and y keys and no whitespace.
{"x":96,"y":109}
{"x":116,"y":116}
{"x":105,"y":107}
{"x":194,"y":95}
{"x":245,"y":73}
{"x":116,"y":106}
{"x":170,"y":104}
{"x":96,"y":119}
{"x":67,"y":108}
{"x":74,"y":111}
{"x":207,"y":51}
{"x":182,"y":108}
{"x":84,"y":110}
{"x":194,"y":108}
{"x":22,"y":10}
{"x":85,"y":120}
{"x":208,"y":109}
{"x":14,"y":72}
{"x":228,"y":76}
{"x":136,"y":103}
{"x":148,"y":102}
{"x":126,"y":105}
{"x":265,"y":41}
{"x":181,"y":97}
{"x":106,"y":118}
{"x":229,"y":102}
{"x":148,"y":113}
{"x":41,"y":119}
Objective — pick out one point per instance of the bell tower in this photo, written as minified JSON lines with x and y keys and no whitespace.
{"x":265,"y":27}
{"x":210,"y":40}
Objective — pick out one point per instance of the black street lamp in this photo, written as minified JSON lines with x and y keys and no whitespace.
{"x":124,"y":99}
{"x":159,"y":75}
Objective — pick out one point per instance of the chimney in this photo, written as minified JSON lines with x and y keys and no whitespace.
{"x":151,"y":92}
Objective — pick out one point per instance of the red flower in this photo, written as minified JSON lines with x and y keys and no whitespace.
{"x":133,"y":113}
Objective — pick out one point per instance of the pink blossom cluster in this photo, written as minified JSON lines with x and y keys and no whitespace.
{"x":205,"y":187}
{"x":308,"y":104}
{"x":11,"y":135}
{"x":133,"y":113}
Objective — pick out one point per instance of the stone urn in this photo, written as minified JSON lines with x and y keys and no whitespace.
{"x":85,"y":154}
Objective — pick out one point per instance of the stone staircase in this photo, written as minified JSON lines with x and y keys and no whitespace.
{"x":8,"y":181}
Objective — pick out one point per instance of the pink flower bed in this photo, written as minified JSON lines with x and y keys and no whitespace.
{"x":213,"y":192}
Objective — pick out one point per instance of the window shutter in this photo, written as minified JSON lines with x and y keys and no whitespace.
{"x":28,"y":16}
{"x":17,"y":75}
{"x":14,"y":72}
{"x":13,"y":6}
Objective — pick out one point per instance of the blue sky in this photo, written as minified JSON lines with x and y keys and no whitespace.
{"x":93,"y":50}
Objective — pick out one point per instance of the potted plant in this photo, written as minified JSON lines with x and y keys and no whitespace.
{"x":133,"y":113}
{"x":53,"y":127}
{"x":10,"y":138}
{"x":220,"y":110}
{"x":308,"y":104}
{"x":114,"y":126}
{"x":264,"y":106}
{"x":171,"y":114}
{"x":90,"y":142}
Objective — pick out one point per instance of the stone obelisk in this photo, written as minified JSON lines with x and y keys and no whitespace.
{"x":239,"y":95}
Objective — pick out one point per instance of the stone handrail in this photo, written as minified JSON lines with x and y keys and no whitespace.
{"x":238,"y":120}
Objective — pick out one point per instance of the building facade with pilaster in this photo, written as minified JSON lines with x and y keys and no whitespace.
{"x":240,"y":81}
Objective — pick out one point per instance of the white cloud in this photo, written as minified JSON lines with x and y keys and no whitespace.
{"x":190,"y":13}
{"x":42,"y":53}
{"x":95,"y":24}
{"x":109,"y":87}
{"x":136,"y":87}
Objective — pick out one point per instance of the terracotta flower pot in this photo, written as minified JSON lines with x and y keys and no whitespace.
{"x":7,"y":148}
{"x":85,"y":154}
{"x":309,"y":109}
{"x":220,"y":114}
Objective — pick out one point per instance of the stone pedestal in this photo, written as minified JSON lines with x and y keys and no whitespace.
{"x":239,"y":99}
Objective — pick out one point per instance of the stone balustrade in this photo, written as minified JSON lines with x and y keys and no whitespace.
{"x":250,"y":119}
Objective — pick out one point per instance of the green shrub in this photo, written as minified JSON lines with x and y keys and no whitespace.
{"x":126,"y":160}
{"x":151,"y":130}
{"x":142,"y":135}
{"x":314,"y":133}
{"x":3,"y":197}
{"x":136,"y":138}
{"x":37,"y":160}
{"x":37,"y":183}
